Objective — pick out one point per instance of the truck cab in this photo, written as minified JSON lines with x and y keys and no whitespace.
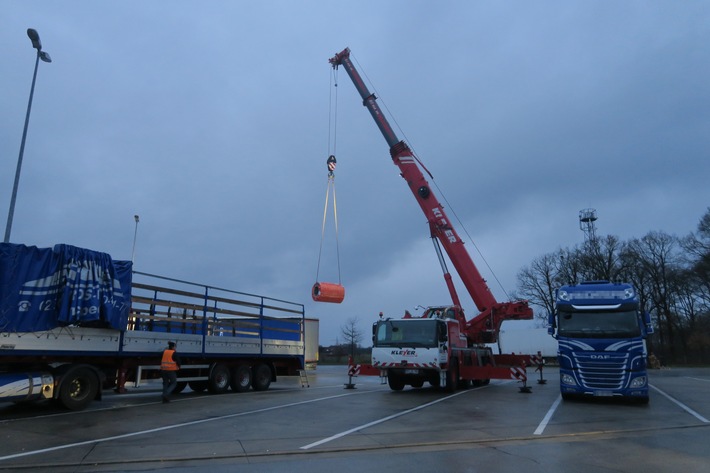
{"x":413,"y":350}
{"x":601,"y":341}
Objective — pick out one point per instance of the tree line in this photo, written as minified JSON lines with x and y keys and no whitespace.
{"x":671,"y":275}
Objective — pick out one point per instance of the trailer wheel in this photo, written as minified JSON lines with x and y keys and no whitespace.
{"x":78,"y":388}
{"x":241,"y":379}
{"x":261,"y":379}
{"x":219,"y":379}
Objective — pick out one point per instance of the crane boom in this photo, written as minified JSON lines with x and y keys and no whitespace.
{"x":484,"y":327}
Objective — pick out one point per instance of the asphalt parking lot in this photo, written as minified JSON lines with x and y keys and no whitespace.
{"x":324,"y":427}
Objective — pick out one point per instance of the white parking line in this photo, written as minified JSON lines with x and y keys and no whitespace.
{"x":379,"y":421}
{"x":541,"y":428}
{"x":682,"y":406}
{"x":170,"y":427}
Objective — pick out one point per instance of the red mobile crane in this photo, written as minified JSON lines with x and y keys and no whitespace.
{"x":441,"y":346}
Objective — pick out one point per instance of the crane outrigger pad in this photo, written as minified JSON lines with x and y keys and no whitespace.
{"x":328,"y":292}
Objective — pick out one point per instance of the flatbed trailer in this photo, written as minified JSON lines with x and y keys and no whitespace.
{"x":226,"y":339}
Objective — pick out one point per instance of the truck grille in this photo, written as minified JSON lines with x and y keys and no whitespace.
{"x":601,"y":371}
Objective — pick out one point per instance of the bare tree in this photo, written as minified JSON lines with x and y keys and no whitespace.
{"x":671,"y":277}
{"x":697,"y":246}
{"x":569,"y":270}
{"x":600,"y":259}
{"x":352,"y":334}
{"x":657,"y":266}
{"x":537,"y":283}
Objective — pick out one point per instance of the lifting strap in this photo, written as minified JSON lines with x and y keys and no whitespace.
{"x":331,"y":162}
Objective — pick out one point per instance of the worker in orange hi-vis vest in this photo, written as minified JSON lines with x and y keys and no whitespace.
{"x":169,"y":367}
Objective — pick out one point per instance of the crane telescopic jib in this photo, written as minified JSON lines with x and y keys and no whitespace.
{"x":484,"y":327}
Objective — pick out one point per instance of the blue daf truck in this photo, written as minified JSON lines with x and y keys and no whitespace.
{"x":601,"y":335}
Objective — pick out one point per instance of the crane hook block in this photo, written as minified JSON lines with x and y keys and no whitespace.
{"x":331,"y":162}
{"x":328,"y":292}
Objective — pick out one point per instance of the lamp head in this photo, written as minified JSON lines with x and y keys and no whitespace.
{"x":34,"y":37}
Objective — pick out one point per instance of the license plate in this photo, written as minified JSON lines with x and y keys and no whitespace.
{"x":411,"y":371}
{"x":603,"y":393}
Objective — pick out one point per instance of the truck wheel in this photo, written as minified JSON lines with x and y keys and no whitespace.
{"x":197,"y":386}
{"x":395,"y":382}
{"x":261,"y":378}
{"x":219,"y":379}
{"x":79,"y":387}
{"x":241,"y":379}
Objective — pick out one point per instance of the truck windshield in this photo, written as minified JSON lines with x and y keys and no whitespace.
{"x":412,"y":333}
{"x":599,"y":324}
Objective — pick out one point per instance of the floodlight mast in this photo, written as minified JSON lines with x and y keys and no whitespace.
{"x":44,"y":56}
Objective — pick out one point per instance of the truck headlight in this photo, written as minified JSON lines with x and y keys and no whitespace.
{"x":567,"y":379}
{"x":638,"y":382}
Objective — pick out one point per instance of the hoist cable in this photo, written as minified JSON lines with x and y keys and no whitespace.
{"x":416,"y":157}
{"x":478,"y":250}
{"x":332,"y":140}
{"x":333,"y":113}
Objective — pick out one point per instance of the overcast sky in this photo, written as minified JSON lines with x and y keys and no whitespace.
{"x":213,"y":122}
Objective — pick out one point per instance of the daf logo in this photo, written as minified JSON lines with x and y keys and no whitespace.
{"x":599,"y":357}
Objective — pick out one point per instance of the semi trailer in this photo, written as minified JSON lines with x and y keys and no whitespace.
{"x":74,"y":322}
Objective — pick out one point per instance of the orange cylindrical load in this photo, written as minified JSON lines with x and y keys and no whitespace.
{"x":328,"y":292}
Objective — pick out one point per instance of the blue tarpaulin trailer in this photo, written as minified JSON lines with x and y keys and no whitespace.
{"x":74,"y":321}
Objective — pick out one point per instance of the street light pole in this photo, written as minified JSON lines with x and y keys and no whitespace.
{"x":135,"y":234}
{"x":37,"y":44}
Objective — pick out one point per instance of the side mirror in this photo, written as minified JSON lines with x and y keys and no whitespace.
{"x":551,"y":324}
